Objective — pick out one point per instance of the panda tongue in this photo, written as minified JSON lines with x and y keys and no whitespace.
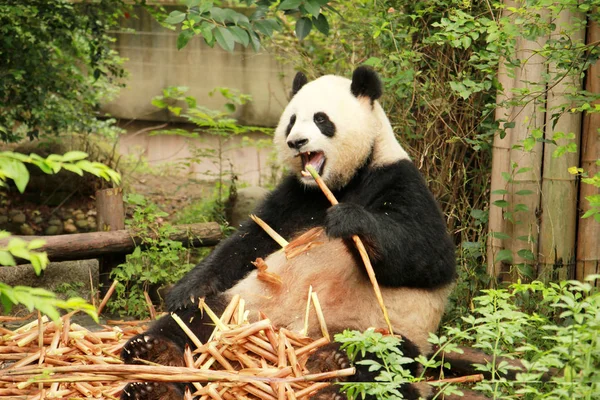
{"x":316,"y":159}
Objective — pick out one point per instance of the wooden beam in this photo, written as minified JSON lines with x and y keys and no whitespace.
{"x":80,"y":246}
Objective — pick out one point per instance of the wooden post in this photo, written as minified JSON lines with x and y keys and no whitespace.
{"x":558,"y":228}
{"x":588,"y":235}
{"x":526,"y":166}
{"x":110,"y":217}
{"x":500,"y":164}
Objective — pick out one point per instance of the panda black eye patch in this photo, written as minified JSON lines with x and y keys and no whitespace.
{"x":290,"y":125}
{"x":324,"y":124}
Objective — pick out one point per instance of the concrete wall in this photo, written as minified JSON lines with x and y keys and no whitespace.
{"x":154,"y":63}
{"x":251,"y":164}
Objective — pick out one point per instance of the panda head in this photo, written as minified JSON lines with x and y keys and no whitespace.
{"x":337,"y":126}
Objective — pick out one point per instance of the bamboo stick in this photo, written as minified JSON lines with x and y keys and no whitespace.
{"x":109,"y":293}
{"x":359,"y":245}
{"x":276,"y":236}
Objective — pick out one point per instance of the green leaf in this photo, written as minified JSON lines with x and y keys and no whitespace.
{"x":289,"y":4}
{"x":266,"y":27}
{"x":500,"y":235}
{"x":504,"y":255}
{"x":230,"y":107}
{"x":254,"y":41}
{"x":240,"y":35}
{"x":206,"y":31}
{"x":526,"y":254}
{"x":500,"y":191}
{"x":16,"y":171}
{"x":183,"y":38}
{"x":74,"y":156}
{"x":6,"y":258}
{"x":224,"y":38}
{"x":313,"y":7}
{"x":322,"y":24}
{"x":218,"y":14}
{"x":192,"y":3}
{"x":303,"y":27}
{"x":73,"y":168}
{"x":500,"y":203}
{"x":524,"y":192}
{"x":175,"y":17}
{"x":158,"y":102}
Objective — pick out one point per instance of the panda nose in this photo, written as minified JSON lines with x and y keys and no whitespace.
{"x":296,"y":144}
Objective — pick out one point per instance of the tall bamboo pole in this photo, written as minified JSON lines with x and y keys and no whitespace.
{"x":588,"y":235}
{"x":500,"y":164}
{"x":526,"y":166}
{"x":556,"y":253}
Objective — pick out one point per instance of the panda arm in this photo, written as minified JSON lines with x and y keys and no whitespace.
{"x":403,"y":230}
{"x":229,"y":262}
{"x":285,"y":210}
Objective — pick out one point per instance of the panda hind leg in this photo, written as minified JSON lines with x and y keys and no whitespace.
{"x":153,"y":391}
{"x":330,"y":358}
{"x":165,"y":341}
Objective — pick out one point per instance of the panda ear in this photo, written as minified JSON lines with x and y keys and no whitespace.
{"x":365,"y":82}
{"x":299,"y":80}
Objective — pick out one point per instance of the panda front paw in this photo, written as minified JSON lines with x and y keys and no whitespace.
{"x":151,"y":391}
{"x":347,"y":219}
{"x":186,"y":293}
{"x":153,"y":348}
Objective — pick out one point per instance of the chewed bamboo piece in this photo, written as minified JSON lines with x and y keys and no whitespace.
{"x":359,"y":245}
{"x":274,"y":235}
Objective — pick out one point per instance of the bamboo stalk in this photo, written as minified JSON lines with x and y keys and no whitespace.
{"x":109,"y":293}
{"x":460,"y":379}
{"x":558,"y":227}
{"x":187,"y":330}
{"x":588,"y":245}
{"x":359,"y":245}
{"x":276,"y":236}
{"x":150,"y":306}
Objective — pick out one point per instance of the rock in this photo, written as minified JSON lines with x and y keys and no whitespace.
{"x":38,"y":220}
{"x":247,"y":200}
{"x":81,"y":223}
{"x":19,"y":218}
{"x":53,"y":230}
{"x":92,"y":226}
{"x":3,"y":219}
{"x":79,"y":214}
{"x":55,"y":221}
{"x":12,"y":213}
{"x":26,"y":230}
{"x":69,"y":227}
{"x":55,"y":276}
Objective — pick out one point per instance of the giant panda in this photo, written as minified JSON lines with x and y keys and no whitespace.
{"x":336,"y":125}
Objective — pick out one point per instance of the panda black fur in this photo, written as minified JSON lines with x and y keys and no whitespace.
{"x":336,"y":125}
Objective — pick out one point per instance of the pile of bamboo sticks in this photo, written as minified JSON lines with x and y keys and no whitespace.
{"x":44,"y":344}
{"x":61,"y":359}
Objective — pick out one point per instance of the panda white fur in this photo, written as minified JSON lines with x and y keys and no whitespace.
{"x":338,"y":126}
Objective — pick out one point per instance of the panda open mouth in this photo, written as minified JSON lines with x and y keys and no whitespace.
{"x":314,"y":158}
